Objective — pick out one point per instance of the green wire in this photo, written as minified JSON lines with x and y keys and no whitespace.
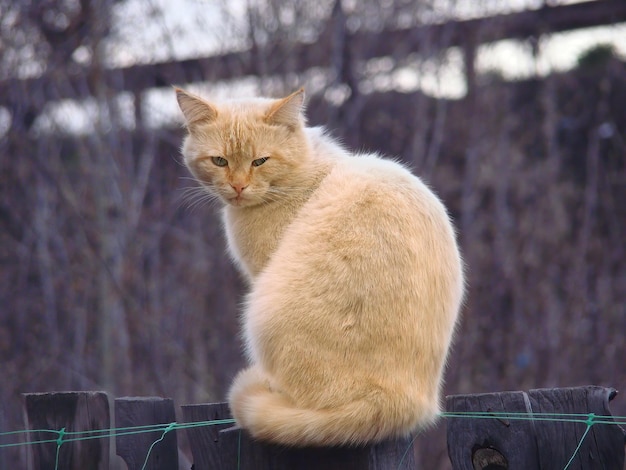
{"x":63,"y":436}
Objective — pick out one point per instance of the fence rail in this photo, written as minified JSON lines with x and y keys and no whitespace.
{"x":563,"y":428}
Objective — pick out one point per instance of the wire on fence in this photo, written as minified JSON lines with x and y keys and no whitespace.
{"x":63,"y":436}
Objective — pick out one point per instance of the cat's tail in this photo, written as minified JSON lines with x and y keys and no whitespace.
{"x":273,"y":416}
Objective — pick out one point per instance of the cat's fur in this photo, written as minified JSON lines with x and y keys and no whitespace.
{"x":356,"y":279}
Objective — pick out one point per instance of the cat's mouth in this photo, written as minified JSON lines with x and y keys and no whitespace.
{"x":238,"y":201}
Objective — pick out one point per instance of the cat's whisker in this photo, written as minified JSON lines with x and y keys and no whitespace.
{"x":272,"y":197}
{"x":196,"y":196}
{"x":188,"y":178}
{"x":200,"y":202}
{"x":275,"y":194}
{"x":191,"y":192}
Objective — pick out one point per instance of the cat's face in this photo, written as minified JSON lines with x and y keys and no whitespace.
{"x":245,"y":153}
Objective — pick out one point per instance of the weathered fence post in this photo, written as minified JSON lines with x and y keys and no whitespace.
{"x":133,"y":446}
{"x":239,"y":451}
{"x":545,"y":442}
{"x":224,"y":447}
{"x":3,"y":459}
{"x":204,"y":440}
{"x":68,"y":412}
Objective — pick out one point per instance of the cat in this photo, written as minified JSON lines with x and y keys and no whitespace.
{"x":356,"y":280}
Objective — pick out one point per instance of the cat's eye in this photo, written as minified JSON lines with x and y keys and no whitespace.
{"x":219,"y":161}
{"x":260,"y":161}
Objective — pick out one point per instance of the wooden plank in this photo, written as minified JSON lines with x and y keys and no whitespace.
{"x":238,"y":450}
{"x":76,"y":412}
{"x":3,"y":429}
{"x":602,"y":448}
{"x":133,"y":448}
{"x":481,"y":443}
{"x":543,"y":443}
{"x":137,"y":78}
{"x":204,"y":440}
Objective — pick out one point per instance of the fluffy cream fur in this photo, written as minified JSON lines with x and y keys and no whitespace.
{"x":356,"y":278}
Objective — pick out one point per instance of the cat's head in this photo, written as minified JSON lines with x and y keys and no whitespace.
{"x":246,"y":152}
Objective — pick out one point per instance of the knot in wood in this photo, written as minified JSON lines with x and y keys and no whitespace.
{"x":488,"y":458}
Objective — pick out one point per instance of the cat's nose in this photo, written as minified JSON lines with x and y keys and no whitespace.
{"x":239,"y":187}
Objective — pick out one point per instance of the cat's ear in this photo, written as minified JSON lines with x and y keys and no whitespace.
{"x":195,"y":109}
{"x":287,"y":111}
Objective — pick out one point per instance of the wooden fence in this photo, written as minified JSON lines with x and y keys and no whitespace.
{"x":541,"y":429}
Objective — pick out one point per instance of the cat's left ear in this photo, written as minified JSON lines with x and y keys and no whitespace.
{"x":287,"y":111}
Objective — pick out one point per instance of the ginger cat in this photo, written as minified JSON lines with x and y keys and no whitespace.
{"x":355,"y":275}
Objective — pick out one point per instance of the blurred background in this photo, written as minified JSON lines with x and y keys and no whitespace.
{"x":113,"y":277}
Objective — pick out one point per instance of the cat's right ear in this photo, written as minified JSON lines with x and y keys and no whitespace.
{"x":195,"y":109}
